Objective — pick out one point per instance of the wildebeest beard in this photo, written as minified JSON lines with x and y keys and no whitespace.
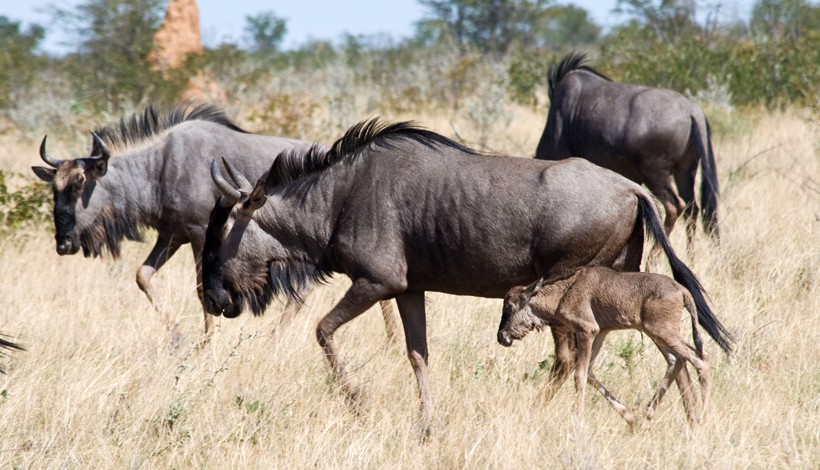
{"x":107,"y":231}
{"x":284,"y":277}
{"x":259,"y":283}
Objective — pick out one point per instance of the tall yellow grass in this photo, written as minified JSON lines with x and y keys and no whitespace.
{"x":102,"y":386}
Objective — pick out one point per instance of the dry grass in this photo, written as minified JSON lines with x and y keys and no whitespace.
{"x":100,"y":386}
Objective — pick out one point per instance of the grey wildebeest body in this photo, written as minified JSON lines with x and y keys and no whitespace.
{"x":650,"y":135}
{"x":402,"y":210}
{"x":159,"y":178}
{"x":597,"y":300}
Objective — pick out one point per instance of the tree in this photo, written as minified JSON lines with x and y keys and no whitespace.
{"x":18,"y":62}
{"x":265,"y":32}
{"x":115,"y":38}
{"x":670,"y":20}
{"x":784,"y":19}
{"x":487,"y":26}
{"x":568,"y":25}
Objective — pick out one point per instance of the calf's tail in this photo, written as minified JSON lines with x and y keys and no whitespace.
{"x":690,"y":307}
{"x":684,"y":276}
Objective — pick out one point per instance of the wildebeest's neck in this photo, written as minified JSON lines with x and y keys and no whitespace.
{"x":121,"y":204}
{"x":301,"y":214}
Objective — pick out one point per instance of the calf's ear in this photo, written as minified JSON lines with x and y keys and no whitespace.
{"x":45,"y":174}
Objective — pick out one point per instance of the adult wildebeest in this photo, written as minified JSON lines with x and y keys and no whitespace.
{"x":650,"y":135}
{"x":402,"y":210}
{"x":595,"y":301}
{"x":159,"y":179}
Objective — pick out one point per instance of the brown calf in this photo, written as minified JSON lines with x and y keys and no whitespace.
{"x":595,"y":301}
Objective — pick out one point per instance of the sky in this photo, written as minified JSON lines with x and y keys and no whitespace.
{"x":223,"y":20}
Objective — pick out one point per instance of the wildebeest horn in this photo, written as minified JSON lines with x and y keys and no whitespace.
{"x":229,"y":191}
{"x":238,"y":179}
{"x":105,"y":153}
{"x":54,"y":163}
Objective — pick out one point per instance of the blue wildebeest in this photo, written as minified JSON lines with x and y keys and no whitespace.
{"x":650,"y":135}
{"x":402,"y":210}
{"x":595,"y":301}
{"x":157,"y":177}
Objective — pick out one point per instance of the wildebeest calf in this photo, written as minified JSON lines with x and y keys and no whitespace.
{"x":596,"y":300}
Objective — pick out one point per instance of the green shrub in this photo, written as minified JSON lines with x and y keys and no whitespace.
{"x":29,"y":204}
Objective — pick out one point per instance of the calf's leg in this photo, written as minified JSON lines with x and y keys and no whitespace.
{"x":564,"y":361}
{"x":592,"y":380}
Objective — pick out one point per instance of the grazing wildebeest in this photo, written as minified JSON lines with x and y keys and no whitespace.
{"x":650,"y":135}
{"x":402,"y":210}
{"x":597,"y":300}
{"x":8,"y":345}
{"x":158,"y":178}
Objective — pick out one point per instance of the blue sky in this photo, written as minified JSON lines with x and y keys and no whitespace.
{"x":223,"y":20}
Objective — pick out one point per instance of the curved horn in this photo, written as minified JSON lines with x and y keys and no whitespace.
{"x":231,"y":194}
{"x":52,"y":162}
{"x":237,"y":177}
{"x":105,"y":153}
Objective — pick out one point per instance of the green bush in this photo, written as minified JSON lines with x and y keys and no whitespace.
{"x":27,"y":205}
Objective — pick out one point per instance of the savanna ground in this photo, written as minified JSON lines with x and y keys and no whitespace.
{"x":101,"y":385}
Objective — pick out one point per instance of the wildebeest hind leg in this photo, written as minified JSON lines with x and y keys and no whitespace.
{"x":411,"y":309}
{"x":362,"y":295}
{"x":163,"y":249}
{"x":391,"y":326}
{"x":685,"y":181}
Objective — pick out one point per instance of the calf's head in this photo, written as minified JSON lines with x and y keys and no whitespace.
{"x":517,"y":317}
{"x":73,"y":182}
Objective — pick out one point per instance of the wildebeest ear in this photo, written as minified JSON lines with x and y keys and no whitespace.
{"x":45,"y":174}
{"x":98,"y":168}
{"x":533,"y":288}
{"x":258,"y":196}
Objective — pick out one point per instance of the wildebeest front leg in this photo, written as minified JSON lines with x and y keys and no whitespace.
{"x":292,"y":309}
{"x":362,"y":295}
{"x":592,"y":380}
{"x":164,"y":248}
{"x":564,"y":361}
{"x":411,"y":309}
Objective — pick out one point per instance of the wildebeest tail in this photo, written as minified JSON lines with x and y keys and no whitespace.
{"x":709,"y":189}
{"x":684,"y":276}
{"x":690,"y":307}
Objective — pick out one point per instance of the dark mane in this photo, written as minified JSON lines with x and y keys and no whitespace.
{"x":293,"y":164}
{"x":107,"y":231}
{"x":572,"y":61}
{"x":142,"y":126}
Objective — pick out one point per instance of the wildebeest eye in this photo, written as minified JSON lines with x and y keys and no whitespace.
{"x":77,"y":186}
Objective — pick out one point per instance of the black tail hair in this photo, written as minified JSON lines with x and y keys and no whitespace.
{"x":709,"y":189}
{"x":684,"y":276}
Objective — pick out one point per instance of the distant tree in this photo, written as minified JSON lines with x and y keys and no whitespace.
{"x":670,"y":20}
{"x":784,"y":19}
{"x":114,"y":37}
{"x":486,"y":26}
{"x":265,"y":32}
{"x":18,"y":61}
{"x":568,"y":25}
